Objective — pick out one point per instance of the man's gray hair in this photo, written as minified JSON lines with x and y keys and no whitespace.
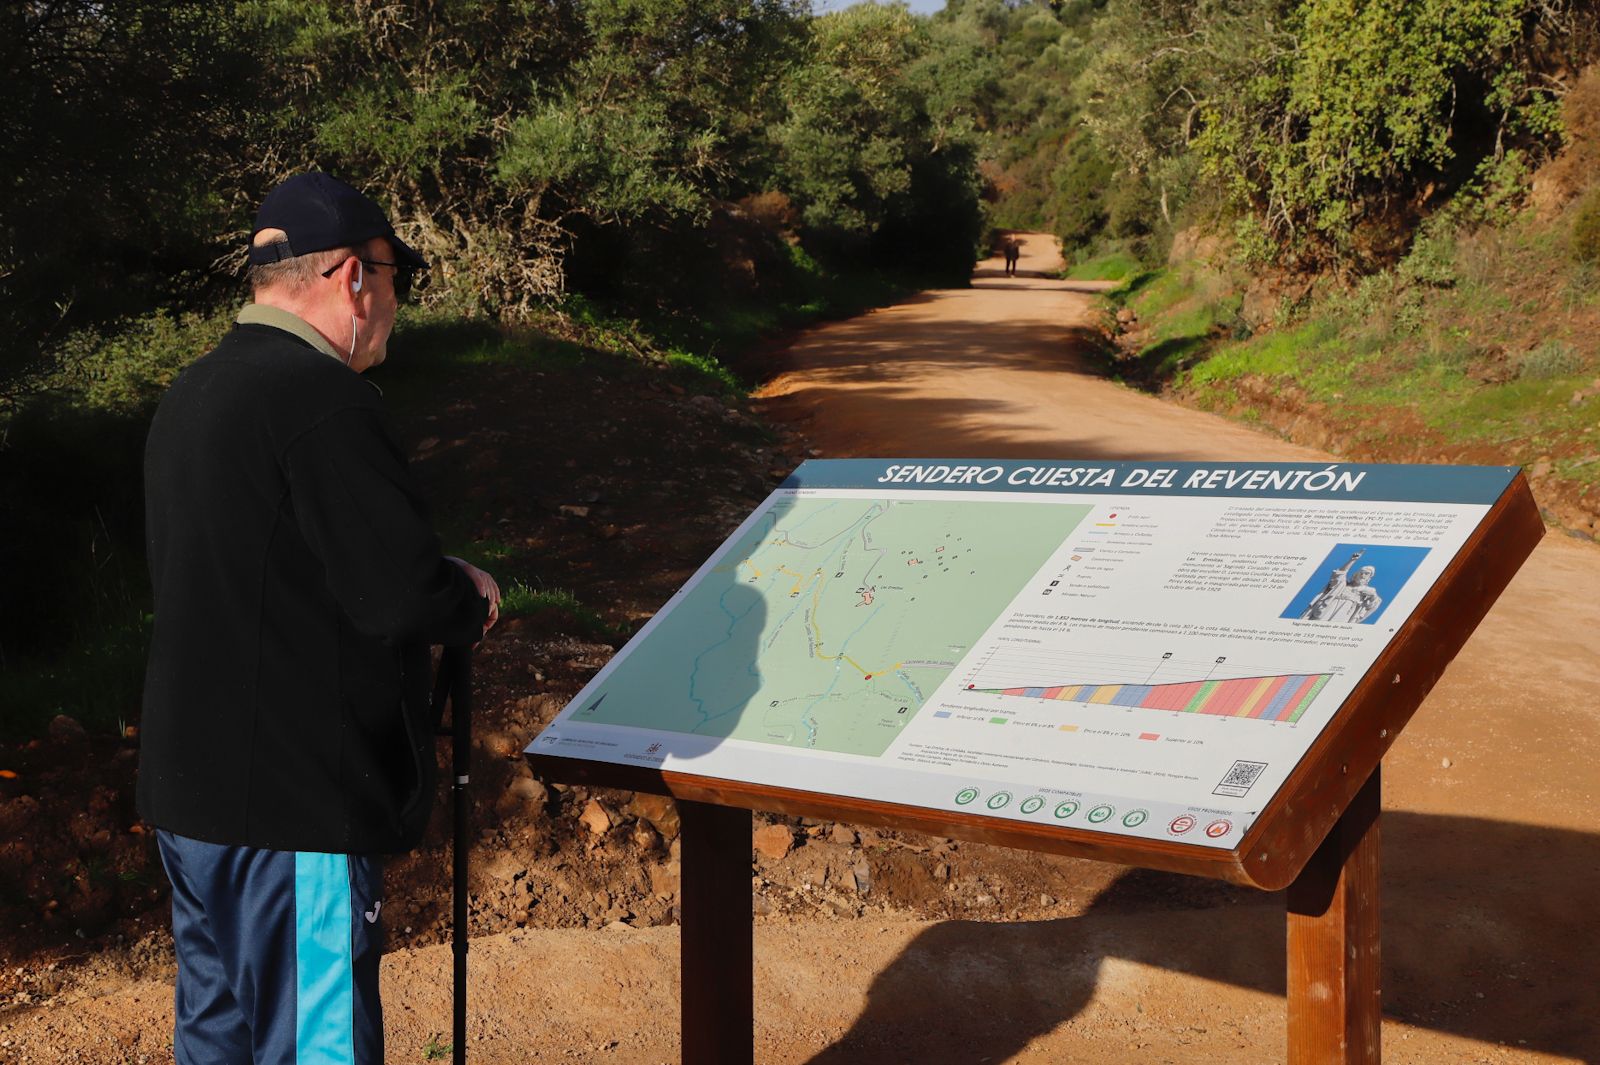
{"x":292,"y":274}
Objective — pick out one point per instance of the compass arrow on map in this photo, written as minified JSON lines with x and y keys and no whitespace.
{"x":592,"y":707}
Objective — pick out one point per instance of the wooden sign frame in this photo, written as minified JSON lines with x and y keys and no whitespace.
{"x":1317,"y":837}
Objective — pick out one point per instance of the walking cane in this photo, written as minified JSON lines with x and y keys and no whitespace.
{"x":454,"y":683}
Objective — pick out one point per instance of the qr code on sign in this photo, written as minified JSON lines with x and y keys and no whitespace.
{"x":1239,"y":778}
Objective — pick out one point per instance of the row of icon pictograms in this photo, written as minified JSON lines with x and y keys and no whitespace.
{"x":1097,"y":815}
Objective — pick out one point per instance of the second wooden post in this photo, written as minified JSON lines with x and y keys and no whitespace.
{"x":717,"y":933}
{"x":1335,"y":1003}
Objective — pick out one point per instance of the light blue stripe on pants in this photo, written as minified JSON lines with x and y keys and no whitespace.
{"x":277,"y":955}
{"x":324,"y":969}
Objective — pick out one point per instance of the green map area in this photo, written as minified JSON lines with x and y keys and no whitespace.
{"x":831,"y":621}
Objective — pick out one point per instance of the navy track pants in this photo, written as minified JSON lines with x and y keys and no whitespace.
{"x":277,"y":955}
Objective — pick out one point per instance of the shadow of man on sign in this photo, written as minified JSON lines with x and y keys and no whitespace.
{"x":693,"y":681}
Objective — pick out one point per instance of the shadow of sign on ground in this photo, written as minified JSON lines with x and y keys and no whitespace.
{"x":1489,"y":933}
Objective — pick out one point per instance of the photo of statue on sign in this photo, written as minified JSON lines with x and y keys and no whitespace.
{"x":1354,"y":582}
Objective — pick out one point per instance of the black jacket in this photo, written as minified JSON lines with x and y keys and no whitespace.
{"x":298,"y":583}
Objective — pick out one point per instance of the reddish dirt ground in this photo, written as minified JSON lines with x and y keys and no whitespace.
{"x":881,"y":947}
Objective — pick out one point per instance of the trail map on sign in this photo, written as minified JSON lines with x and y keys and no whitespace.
{"x":1124,"y":648}
{"x":829,"y":621}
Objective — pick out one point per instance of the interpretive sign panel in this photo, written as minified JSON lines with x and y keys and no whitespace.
{"x":1130,"y":649}
{"x":1179,"y":666}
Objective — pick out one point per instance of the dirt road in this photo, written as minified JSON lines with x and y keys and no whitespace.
{"x":1491,"y":850}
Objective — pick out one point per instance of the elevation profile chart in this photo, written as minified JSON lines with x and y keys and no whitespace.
{"x":1220,"y":691}
{"x":1282,"y":698}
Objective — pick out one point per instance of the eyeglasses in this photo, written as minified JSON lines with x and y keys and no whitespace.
{"x":403,"y":274}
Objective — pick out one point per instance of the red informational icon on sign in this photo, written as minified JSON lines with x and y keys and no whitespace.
{"x":1179,"y":825}
{"x":1218,"y":828}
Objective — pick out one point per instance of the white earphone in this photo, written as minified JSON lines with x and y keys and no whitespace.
{"x":355,"y":286}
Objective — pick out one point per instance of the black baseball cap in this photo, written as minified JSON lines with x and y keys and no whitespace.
{"x":319,"y":212}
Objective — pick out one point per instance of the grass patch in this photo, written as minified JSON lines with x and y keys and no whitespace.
{"x":704,"y":373}
{"x":1550,"y":360}
{"x":121,"y":368}
{"x":1182,"y":312}
{"x":1111,"y":266}
{"x":1152,"y":292}
{"x":423,"y":336}
{"x":1166,"y":358}
{"x":522,"y":593}
{"x":1282,"y":355}
{"x":1531,"y":415}
{"x":522,"y":600}
{"x":1200,"y":318}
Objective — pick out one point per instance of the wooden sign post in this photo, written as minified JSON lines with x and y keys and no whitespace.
{"x":1334,"y":971}
{"x":1317,"y":834}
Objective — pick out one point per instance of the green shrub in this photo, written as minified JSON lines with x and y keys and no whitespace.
{"x":522,"y":600}
{"x":1131,"y":207}
{"x":71,"y":440}
{"x":1582,"y":285}
{"x":1432,"y":259}
{"x":1080,"y":183}
{"x":1585,"y":239}
{"x":1380,"y":305}
{"x":126,"y":366}
{"x":1553,"y":358}
{"x":1496,"y":191}
{"x":1252,"y":244}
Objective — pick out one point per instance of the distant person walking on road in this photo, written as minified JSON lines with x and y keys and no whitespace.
{"x":287,"y":736}
{"x":1012,"y":249}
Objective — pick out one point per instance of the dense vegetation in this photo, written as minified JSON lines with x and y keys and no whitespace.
{"x":664,"y":178}
{"x":1316,"y":132}
{"x":527,"y":147}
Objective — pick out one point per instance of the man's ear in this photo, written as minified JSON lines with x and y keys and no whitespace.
{"x":352,"y":276}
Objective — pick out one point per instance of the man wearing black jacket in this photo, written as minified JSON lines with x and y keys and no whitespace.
{"x":287,"y":740}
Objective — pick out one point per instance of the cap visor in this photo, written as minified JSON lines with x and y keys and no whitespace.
{"x":405,"y":256}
